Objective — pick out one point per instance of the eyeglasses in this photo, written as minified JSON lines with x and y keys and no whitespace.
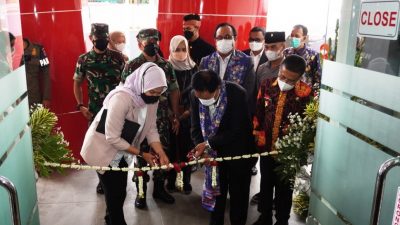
{"x":226,"y":37}
{"x":282,"y":77}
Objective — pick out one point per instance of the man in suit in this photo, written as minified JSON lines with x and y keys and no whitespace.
{"x":274,"y":46}
{"x":256,"y":52}
{"x":257,"y":49}
{"x":231,"y":64}
{"x":221,"y":127}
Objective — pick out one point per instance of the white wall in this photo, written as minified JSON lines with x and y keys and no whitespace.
{"x":128,"y":18}
{"x":284,"y":14}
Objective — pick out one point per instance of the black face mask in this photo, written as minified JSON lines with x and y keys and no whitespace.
{"x":151,"y":49}
{"x":188,"y":34}
{"x":100,"y":44}
{"x":149,"y":99}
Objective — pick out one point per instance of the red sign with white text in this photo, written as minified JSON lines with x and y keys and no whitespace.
{"x":379,"y":19}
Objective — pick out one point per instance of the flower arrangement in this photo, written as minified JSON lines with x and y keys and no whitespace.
{"x":296,"y":150}
{"x":295,"y":147}
{"x":48,"y":141}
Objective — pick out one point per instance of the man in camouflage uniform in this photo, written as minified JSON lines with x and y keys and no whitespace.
{"x":37,"y":73}
{"x":102,"y":69}
{"x":167,"y":109}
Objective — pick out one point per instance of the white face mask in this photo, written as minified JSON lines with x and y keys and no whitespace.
{"x":272,"y":55}
{"x":207,"y":102}
{"x":284,"y":86}
{"x":224,"y":46}
{"x":179,"y":56}
{"x":256,"y":46}
{"x":120,"y":47}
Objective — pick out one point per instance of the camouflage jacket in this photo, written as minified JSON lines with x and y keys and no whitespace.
{"x":103,"y":73}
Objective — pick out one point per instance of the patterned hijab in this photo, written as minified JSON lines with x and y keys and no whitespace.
{"x":188,"y":64}
{"x":147,"y":77}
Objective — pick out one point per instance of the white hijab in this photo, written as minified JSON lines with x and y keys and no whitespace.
{"x":136,"y":84}
{"x":188,"y":64}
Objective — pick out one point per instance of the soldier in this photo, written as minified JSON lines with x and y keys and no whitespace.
{"x":37,"y":73}
{"x":102,"y":68}
{"x":169,"y":102}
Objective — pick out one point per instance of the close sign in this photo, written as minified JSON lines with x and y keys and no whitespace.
{"x":379,"y":19}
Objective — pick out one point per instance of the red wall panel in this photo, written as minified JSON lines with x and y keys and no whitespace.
{"x":57,"y":25}
{"x":243,"y":14}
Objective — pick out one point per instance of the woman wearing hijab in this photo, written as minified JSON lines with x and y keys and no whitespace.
{"x":135,"y":102}
{"x":184,"y":68}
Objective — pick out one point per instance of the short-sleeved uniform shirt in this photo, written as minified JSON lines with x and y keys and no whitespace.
{"x":103,"y":73}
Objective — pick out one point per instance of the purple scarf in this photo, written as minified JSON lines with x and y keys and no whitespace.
{"x":209,"y":127}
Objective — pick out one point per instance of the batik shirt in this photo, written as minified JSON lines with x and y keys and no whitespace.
{"x":164,"y":108}
{"x":103,"y":73}
{"x":240,"y":70}
{"x":272,"y":110}
{"x":312,"y":76}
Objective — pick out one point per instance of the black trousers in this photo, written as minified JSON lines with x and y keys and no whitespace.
{"x":180,"y":146}
{"x":235,"y":177}
{"x":114,"y":185}
{"x":270,"y":180}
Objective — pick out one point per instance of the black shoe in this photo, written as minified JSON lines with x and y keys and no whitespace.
{"x":281,"y":223}
{"x":164,"y":196}
{"x":187,"y":189}
{"x":255,"y":199}
{"x":99,"y":189}
{"x":254,"y":171}
{"x":171,"y":188}
{"x":160,"y":193}
{"x":262,"y":221}
{"x":140,"y":203}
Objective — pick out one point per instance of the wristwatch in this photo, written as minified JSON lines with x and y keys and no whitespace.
{"x":208,"y":147}
{"x":78,"y":107}
{"x":140,"y":153}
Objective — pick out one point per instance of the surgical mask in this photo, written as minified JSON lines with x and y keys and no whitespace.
{"x":151,"y":49}
{"x":284,"y":86}
{"x":120,"y":47}
{"x":179,"y":56}
{"x":272,"y":55}
{"x":295,"y":42}
{"x":100,"y":44}
{"x":188,"y":34}
{"x":149,"y":99}
{"x":256,"y":46}
{"x":225,"y":46}
{"x":207,"y":102}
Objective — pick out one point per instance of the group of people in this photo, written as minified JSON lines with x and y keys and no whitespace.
{"x":201,"y":101}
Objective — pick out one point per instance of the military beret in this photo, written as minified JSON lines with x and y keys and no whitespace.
{"x":149,"y":33}
{"x":274,"y":37}
{"x":99,"y":30}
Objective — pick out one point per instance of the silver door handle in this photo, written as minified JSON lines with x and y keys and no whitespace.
{"x":12,"y":191}
{"x":379,"y":185}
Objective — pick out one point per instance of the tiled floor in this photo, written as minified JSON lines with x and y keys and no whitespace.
{"x":71,"y":199}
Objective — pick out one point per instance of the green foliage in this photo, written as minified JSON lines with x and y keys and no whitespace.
{"x":295,"y":147}
{"x":48,"y":142}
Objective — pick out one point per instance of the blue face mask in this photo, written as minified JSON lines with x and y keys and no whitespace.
{"x":295,"y":42}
